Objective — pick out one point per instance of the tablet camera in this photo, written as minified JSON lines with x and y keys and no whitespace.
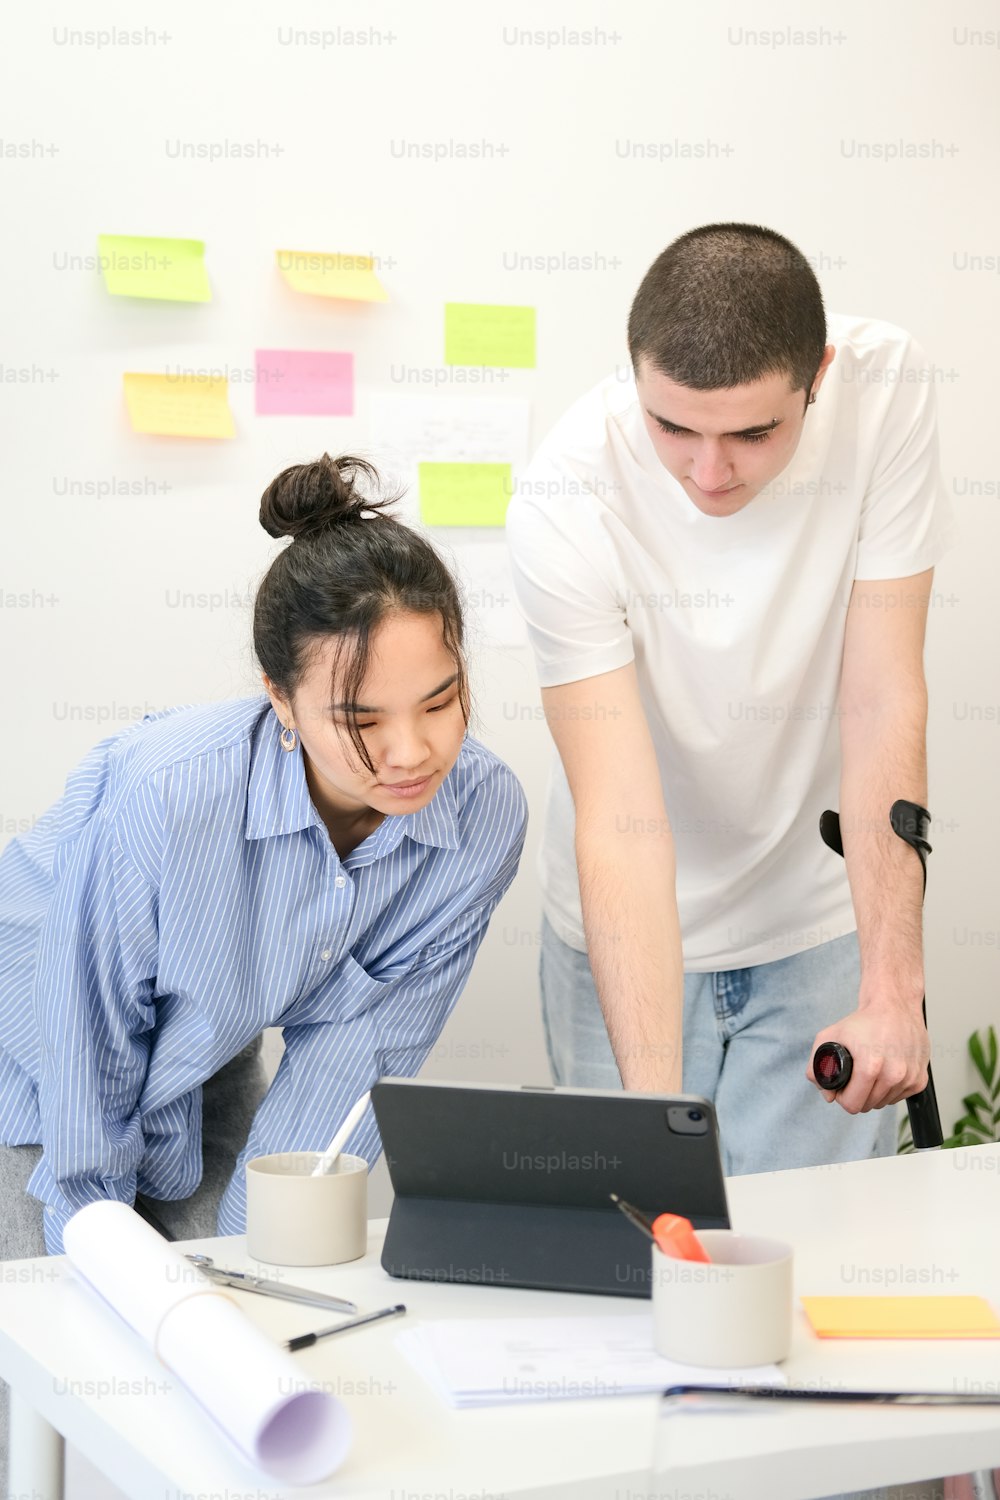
{"x":687,"y":1119}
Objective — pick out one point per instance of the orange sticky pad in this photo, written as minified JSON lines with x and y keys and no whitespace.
{"x":675,"y":1237}
{"x":902,"y":1317}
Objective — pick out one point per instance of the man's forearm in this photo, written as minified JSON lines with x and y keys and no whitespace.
{"x":634,"y":945}
{"x":884,"y":758}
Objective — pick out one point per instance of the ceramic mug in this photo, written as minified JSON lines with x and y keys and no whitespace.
{"x":295,"y":1219}
{"x":735,"y":1311}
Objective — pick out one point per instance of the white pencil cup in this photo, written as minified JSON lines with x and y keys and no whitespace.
{"x":736,"y":1311}
{"x":295,"y":1219}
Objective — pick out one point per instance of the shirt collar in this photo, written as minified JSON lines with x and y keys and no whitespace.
{"x":437,"y":823}
{"x":278,"y":801}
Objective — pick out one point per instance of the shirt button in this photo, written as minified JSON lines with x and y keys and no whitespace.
{"x":340,"y":880}
{"x":326,"y":953}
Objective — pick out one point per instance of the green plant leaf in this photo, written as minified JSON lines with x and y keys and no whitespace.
{"x":979,"y":1058}
{"x":980,"y":1124}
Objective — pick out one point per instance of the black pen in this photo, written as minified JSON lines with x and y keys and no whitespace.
{"x":640,"y":1220}
{"x":305,"y":1340}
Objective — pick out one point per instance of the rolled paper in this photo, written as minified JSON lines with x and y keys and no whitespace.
{"x":132,"y":1267}
{"x":250,"y":1388}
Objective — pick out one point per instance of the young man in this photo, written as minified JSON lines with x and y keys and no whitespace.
{"x":724,"y":556}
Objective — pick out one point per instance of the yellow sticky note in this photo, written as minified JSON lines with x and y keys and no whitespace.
{"x":902,"y":1317}
{"x":330,"y":274}
{"x":143,"y":266}
{"x":179,"y":406}
{"x":464,"y":494}
{"x":478,"y":333}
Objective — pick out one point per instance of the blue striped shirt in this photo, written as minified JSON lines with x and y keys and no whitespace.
{"x":184,"y":894}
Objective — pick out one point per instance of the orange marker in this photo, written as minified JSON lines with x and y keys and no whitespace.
{"x":675,"y":1237}
{"x":670,"y":1232}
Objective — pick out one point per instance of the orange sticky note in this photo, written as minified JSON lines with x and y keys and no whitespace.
{"x":902,"y":1317}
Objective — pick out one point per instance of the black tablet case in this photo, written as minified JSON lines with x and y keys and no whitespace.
{"x":510,"y":1187}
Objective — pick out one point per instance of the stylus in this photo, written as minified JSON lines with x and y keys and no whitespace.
{"x":328,"y":1160}
{"x":306,"y":1340}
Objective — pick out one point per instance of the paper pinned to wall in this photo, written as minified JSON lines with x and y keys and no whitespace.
{"x":307,"y":382}
{"x":328,"y":273}
{"x":454,"y":494}
{"x":408,"y":430}
{"x":185,"y":406}
{"x":149,"y":266}
{"x":481,"y":333}
{"x":483,"y":568}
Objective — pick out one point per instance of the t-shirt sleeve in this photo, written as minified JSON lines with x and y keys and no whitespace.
{"x":563,"y":570}
{"x":906,"y":519}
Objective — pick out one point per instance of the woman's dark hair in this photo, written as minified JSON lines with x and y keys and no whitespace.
{"x":349,"y":566}
{"x":727,"y":304}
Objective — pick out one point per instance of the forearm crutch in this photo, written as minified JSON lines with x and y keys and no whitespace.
{"x":832,"y":1063}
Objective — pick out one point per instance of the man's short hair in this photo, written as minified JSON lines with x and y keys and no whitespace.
{"x":726,"y":305}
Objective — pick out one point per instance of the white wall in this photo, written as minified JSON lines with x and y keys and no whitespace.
{"x":783,"y":132}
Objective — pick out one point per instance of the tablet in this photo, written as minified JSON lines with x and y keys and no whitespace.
{"x":509,"y":1186}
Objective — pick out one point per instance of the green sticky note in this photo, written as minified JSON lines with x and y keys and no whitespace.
{"x":464,"y":494}
{"x":478,"y":333}
{"x":146,"y":266}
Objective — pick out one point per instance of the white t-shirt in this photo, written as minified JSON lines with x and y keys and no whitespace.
{"x":736,"y":625}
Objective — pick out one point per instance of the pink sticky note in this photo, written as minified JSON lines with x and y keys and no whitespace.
{"x":304,"y":382}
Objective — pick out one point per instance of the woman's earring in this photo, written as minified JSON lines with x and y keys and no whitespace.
{"x":288,"y":739}
{"x":812,"y":400}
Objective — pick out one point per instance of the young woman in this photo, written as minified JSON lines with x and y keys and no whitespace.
{"x":325,"y":859}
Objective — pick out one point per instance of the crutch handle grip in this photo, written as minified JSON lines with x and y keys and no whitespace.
{"x":833,"y":1066}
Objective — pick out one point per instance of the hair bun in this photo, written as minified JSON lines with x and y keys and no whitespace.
{"x":307,"y":499}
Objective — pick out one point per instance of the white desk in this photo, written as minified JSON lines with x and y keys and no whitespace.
{"x":929,"y":1223}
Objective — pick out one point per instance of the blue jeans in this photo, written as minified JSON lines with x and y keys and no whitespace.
{"x":748,"y":1035}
